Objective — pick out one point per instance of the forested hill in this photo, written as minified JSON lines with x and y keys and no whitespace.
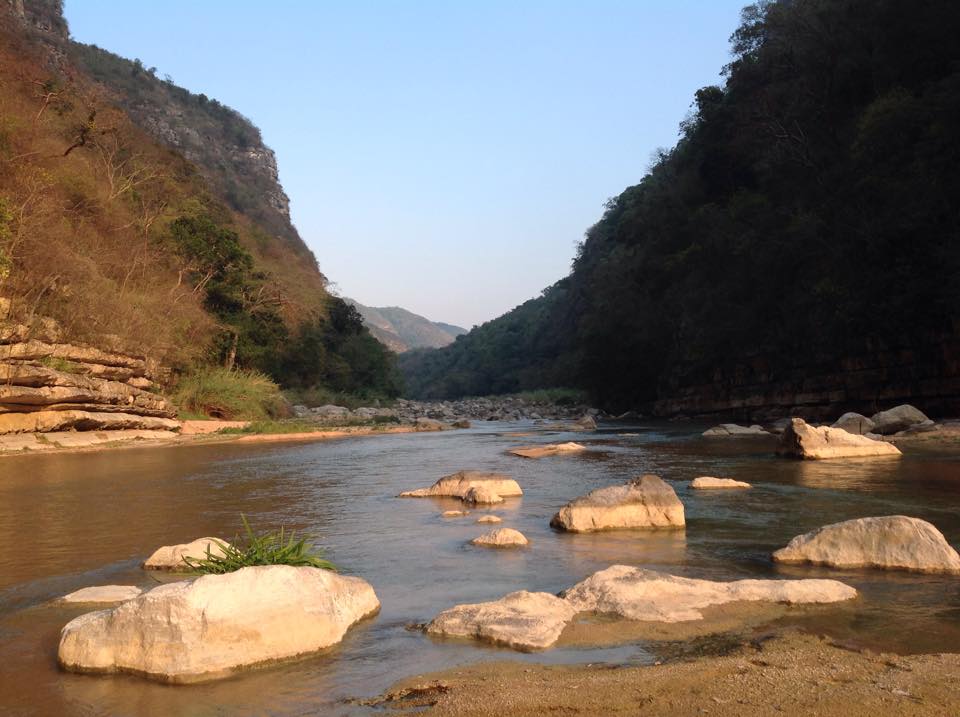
{"x":140,"y":216}
{"x":401,"y":330}
{"x":798,"y":247}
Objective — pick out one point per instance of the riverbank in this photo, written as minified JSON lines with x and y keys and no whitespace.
{"x":207,"y":432}
{"x":791,"y":673}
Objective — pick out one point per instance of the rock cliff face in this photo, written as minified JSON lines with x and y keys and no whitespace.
{"x":927,"y":375}
{"x":47,"y":385}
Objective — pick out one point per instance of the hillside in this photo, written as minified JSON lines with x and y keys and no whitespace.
{"x":401,"y":330}
{"x":145,"y":219}
{"x":798,"y":250}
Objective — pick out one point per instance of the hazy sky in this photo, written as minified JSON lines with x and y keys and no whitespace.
{"x":441,"y":156}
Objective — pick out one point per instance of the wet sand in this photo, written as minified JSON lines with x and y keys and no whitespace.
{"x":786,"y":674}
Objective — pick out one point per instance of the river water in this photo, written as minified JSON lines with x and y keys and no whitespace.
{"x":73,"y":520}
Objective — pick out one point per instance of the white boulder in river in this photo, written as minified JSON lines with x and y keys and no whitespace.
{"x":644,"y":502}
{"x":801,"y":440}
{"x":898,"y":419}
{"x":170,"y":557}
{"x":459,"y":484}
{"x":212,"y":626}
{"x":482,"y":495}
{"x":501,"y":538}
{"x":534,"y":621}
{"x":521,"y":620}
{"x":639,"y":594}
{"x":103,"y":594}
{"x":893,"y":542}
{"x":711,"y":483}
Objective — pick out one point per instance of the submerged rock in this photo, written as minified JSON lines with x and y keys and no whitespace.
{"x":639,"y":594}
{"x":208,"y":628}
{"x":501,"y":538}
{"x":801,"y":440}
{"x":459,"y":484}
{"x":521,"y":620}
{"x":732,"y":429}
{"x":644,"y":502}
{"x":454,"y":513}
{"x":897,"y":419}
{"x":103,"y":594}
{"x":482,"y":495}
{"x":170,"y":557}
{"x":711,"y":483}
{"x":489,"y":519}
{"x":551,"y":449}
{"x":854,"y":423}
{"x":893,"y":542}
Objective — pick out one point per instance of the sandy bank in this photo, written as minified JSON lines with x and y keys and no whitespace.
{"x":792,"y":674}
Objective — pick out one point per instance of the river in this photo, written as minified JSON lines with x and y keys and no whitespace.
{"x":73,"y":520}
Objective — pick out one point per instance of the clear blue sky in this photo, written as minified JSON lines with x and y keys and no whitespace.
{"x":441,"y":156}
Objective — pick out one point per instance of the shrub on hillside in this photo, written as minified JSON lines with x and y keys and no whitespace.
{"x":230,"y":394}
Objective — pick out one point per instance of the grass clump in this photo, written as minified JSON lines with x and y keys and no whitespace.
{"x":58,"y":363}
{"x":216,"y":392}
{"x":270,"y":548}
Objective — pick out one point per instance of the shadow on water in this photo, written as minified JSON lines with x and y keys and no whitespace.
{"x":73,"y":520}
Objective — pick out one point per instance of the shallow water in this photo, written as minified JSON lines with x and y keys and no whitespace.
{"x":74,"y":520}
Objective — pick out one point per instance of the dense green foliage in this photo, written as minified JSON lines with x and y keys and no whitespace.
{"x":272,"y":548}
{"x":809,"y":209}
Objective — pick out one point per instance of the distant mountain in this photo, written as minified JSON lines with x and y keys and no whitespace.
{"x":401,"y":330}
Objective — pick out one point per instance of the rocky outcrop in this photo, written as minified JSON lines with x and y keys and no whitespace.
{"x":898,"y":419}
{"x":211,"y":627}
{"x":47,"y":385}
{"x":501,"y":538}
{"x":727,"y":430}
{"x":102,"y":594}
{"x":170,"y":557}
{"x":801,"y":440}
{"x":854,"y":423}
{"x":534,"y":621}
{"x":521,"y":620}
{"x":711,"y":483}
{"x":459,"y":484}
{"x":893,"y":542}
{"x":639,"y":594}
{"x":551,"y":449}
{"x":644,"y":502}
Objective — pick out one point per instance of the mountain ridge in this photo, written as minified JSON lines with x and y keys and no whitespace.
{"x":402,"y":330}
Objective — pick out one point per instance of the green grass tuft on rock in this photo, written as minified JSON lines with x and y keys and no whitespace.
{"x":270,"y":548}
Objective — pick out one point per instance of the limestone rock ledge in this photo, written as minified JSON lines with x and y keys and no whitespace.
{"x":50,"y":386}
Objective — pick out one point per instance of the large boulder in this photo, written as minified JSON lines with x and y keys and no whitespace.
{"x":894,"y":542}
{"x":550,"y":449}
{"x":208,"y":628}
{"x":897,"y":419}
{"x":459,"y":484}
{"x":170,"y":557}
{"x":644,"y":502}
{"x":801,"y":440}
{"x":711,"y":483}
{"x":639,"y":594}
{"x":501,"y":538}
{"x":854,"y":423}
{"x":727,"y":430}
{"x":521,"y":620}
